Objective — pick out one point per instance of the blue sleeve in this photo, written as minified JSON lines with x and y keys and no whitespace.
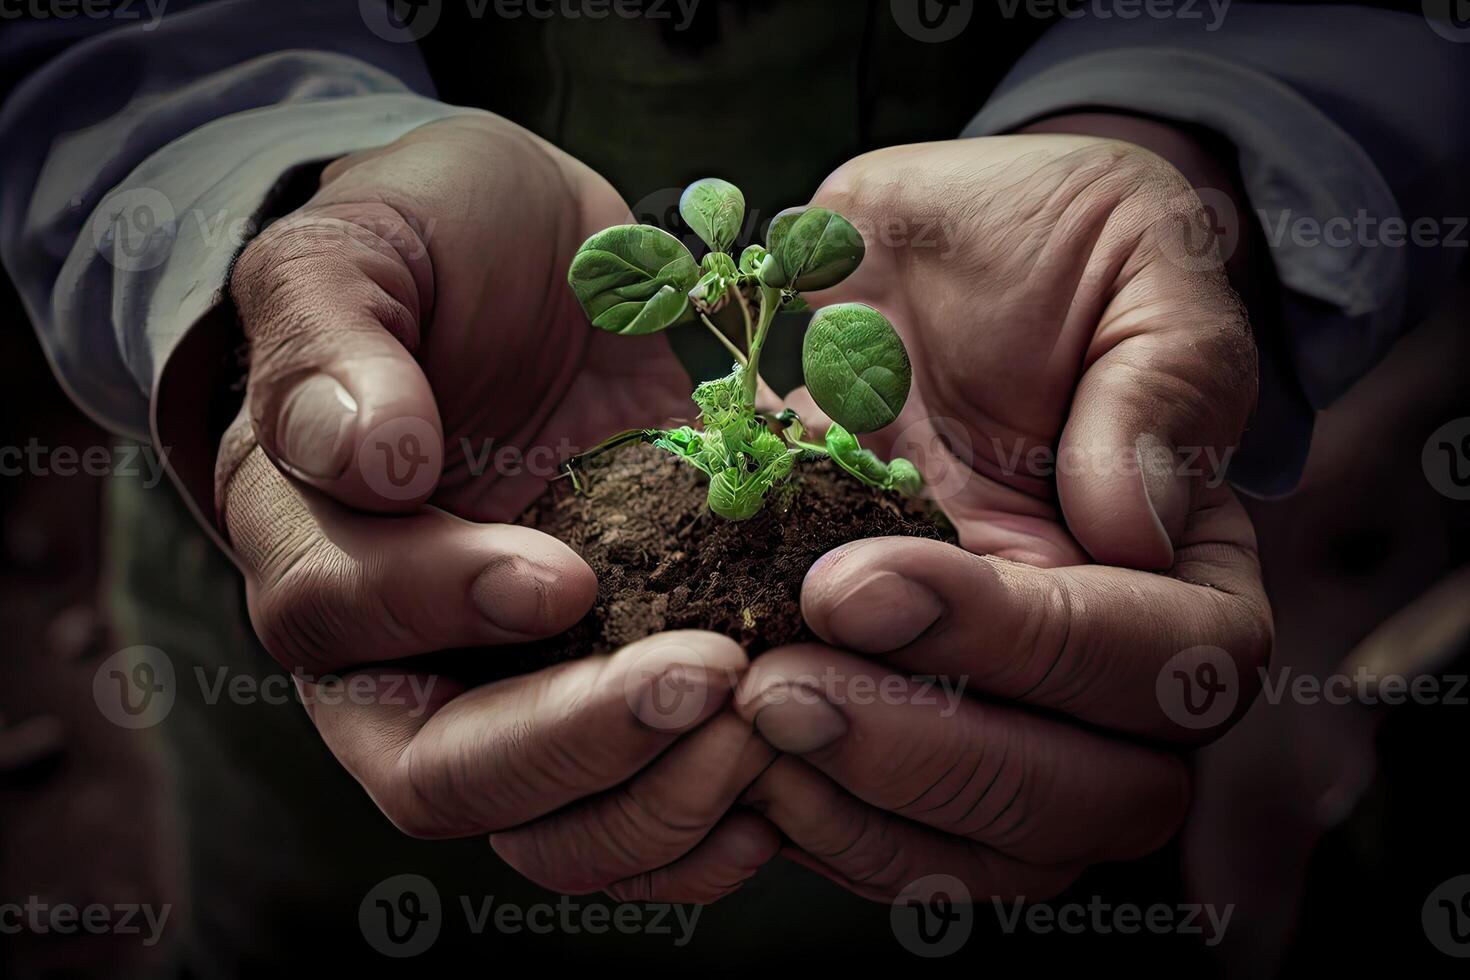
{"x":1350,"y":125}
{"x":140,"y":153}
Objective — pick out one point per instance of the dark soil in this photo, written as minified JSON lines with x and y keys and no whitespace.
{"x":664,"y":562}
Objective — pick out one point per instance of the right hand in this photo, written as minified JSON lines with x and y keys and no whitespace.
{"x":413,"y":313}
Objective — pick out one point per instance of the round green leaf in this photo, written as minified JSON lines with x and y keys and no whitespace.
{"x":714,"y":209}
{"x":634,"y":279}
{"x":856,"y":367}
{"x":814,"y":248}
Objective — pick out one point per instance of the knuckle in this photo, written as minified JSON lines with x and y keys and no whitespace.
{"x":289,"y":280}
{"x":424,"y":800}
{"x":303,"y":611}
{"x":1053,"y":667}
{"x":868,"y":854}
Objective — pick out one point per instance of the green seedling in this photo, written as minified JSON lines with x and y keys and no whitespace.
{"x":637,"y":279}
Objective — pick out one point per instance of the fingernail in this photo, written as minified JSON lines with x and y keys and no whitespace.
{"x":1164,"y":485}
{"x":882,"y":612}
{"x":314,"y":429}
{"x":798,"y":719}
{"x":515,"y":593}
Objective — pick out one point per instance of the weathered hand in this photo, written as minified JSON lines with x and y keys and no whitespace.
{"x":413,"y":315}
{"x":1078,"y":376}
{"x":412,"y":334}
{"x":1050,"y":313}
{"x":891,"y":778}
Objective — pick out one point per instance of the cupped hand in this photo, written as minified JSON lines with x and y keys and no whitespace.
{"x":1079,"y":376}
{"x":1000,"y":723}
{"x":412,"y":339}
{"x":1081,"y":372}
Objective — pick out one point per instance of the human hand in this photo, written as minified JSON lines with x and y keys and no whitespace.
{"x":410,"y":316}
{"x":1054,"y":315}
{"x":1079,"y":378}
{"x":889,"y":778}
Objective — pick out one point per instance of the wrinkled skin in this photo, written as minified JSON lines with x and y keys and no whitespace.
{"x":623,"y":773}
{"x":424,"y":285}
{"x":1048,"y":309}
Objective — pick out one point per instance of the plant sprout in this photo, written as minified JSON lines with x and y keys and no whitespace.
{"x":638,"y":279}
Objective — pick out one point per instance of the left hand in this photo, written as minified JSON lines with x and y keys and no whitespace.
{"x":1080,"y":372}
{"x":888,"y":778}
{"x":1053,"y":314}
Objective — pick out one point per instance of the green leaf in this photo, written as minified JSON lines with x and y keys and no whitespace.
{"x":861,"y":463}
{"x":731,"y":499}
{"x":856,"y":367}
{"x":721,"y":263}
{"x":714,"y":209}
{"x":897,"y":474}
{"x":634,"y":279}
{"x":751,"y":259}
{"x":904,"y":476}
{"x":814,"y":248}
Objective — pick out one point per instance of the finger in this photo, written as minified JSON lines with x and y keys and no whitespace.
{"x":454,"y":762}
{"x":999,"y":776}
{"x":878,"y":855}
{"x":329,"y":588}
{"x":1156,"y":415}
{"x":655,"y":819}
{"x":738,"y":847}
{"x":333,"y":300}
{"x":1168,"y":657}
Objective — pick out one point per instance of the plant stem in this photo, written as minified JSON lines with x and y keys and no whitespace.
{"x":770,"y":303}
{"x":745,"y":311}
{"x":729,"y":345}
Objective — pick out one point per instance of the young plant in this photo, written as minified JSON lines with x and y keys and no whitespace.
{"x":637,"y":279}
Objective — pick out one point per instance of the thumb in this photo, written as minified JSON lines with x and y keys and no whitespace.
{"x":1153,"y":421}
{"x":333,"y":300}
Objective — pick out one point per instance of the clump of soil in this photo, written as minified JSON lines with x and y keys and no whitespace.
{"x":664,"y":562}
